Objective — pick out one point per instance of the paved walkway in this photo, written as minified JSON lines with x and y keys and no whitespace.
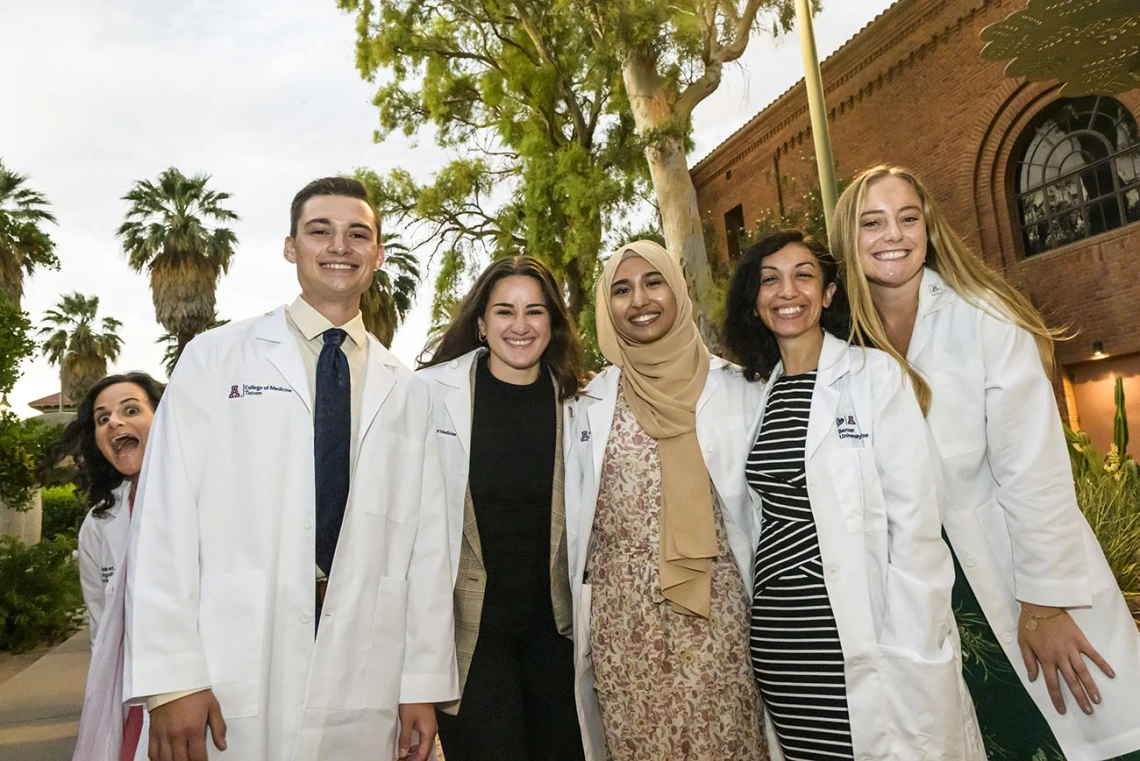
{"x":39,"y":707}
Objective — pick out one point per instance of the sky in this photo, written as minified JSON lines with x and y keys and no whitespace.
{"x":262,"y":95}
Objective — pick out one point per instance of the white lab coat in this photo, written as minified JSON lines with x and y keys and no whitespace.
{"x":872,"y":479}
{"x":220,"y":588}
{"x":450,"y":387}
{"x":102,"y":556}
{"x":722,"y":430}
{"x":1011,"y":512}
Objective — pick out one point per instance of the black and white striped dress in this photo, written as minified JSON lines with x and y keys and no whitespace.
{"x":796,"y":655}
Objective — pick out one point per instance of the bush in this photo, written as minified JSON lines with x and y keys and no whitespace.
{"x":22,"y":446}
{"x":63,"y":511}
{"x":40,"y":599}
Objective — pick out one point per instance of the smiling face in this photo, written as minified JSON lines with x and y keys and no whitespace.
{"x":122,"y":423}
{"x":892,"y":234}
{"x":335,"y":250}
{"x":642,"y":304}
{"x":516,"y":323}
{"x":792,"y":295}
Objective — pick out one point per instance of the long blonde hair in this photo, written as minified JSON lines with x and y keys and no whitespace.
{"x":948,"y":255}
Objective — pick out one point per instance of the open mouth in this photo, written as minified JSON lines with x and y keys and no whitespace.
{"x":124,"y":443}
{"x":518,"y":343}
{"x":339,"y":266}
{"x":889,"y":256}
{"x":645,"y":319}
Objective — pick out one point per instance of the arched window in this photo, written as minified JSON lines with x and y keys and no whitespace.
{"x":1079,"y":174}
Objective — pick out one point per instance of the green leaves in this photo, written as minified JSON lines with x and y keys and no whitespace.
{"x":24,"y":245}
{"x":74,"y":341}
{"x":16,"y":343}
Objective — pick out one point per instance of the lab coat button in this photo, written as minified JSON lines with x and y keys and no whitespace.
{"x":970,"y":561}
{"x":454,"y":363}
{"x":308,"y":523}
{"x":306,"y":618}
{"x":1007,"y":638}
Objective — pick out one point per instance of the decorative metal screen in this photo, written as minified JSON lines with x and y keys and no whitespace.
{"x":1079,"y":174}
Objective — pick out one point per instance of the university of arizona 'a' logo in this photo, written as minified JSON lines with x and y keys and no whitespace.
{"x":235,"y":392}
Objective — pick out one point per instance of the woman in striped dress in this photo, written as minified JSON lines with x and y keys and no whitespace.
{"x":852,"y":640}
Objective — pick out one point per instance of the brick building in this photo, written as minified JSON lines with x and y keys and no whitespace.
{"x":1046,"y":188}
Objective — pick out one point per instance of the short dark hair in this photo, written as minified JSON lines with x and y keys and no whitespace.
{"x":98,"y":478}
{"x":329,"y":186}
{"x":563,"y":356}
{"x":749,"y":340}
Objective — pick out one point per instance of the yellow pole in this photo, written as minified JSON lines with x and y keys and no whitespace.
{"x":817,"y":106}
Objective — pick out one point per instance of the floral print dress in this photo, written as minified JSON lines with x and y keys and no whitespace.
{"x":670,"y":686}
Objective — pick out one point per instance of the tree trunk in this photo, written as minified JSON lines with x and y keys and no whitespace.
{"x":668,"y":165}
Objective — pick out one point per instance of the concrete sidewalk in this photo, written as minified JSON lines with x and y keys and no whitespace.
{"x":39,"y":707}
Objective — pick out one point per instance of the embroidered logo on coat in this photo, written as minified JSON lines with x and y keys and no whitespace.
{"x":585,"y":436}
{"x":935,"y":289}
{"x":235,"y":392}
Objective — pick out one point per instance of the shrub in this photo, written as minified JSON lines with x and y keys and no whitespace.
{"x":63,"y":511}
{"x":40,"y":598}
{"x":22,"y":446}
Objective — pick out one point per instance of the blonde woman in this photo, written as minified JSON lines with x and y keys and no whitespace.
{"x":659,"y":530}
{"x":981,"y":358}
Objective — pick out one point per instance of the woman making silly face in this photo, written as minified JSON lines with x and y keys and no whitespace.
{"x":108,"y":440}
{"x":660,"y":537}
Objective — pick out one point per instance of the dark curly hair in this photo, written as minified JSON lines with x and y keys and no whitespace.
{"x":748,"y":339}
{"x":563,"y":356}
{"x":98,"y":478}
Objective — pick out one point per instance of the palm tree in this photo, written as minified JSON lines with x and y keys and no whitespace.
{"x":385,"y":305}
{"x":170,"y":353}
{"x":72,"y":342}
{"x":23,"y":243}
{"x":166,"y":233}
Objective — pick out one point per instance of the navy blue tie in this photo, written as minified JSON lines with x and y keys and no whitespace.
{"x":332,"y":443}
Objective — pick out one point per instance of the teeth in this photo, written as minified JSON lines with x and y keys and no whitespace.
{"x":890,"y":255}
{"x":789,"y":310}
{"x":332,"y":266}
{"x":643,"y":319}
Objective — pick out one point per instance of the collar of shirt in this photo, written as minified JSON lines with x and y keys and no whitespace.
{"x":312,"y":323}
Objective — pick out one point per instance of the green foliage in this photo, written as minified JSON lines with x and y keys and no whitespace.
{"x":173,"y":231}
{"x":24,"y":246}
{"x":74,"y":343}
{"x":22,"y":446}
{"x":805,"y":213}
{"x":16,"y":344}
{"x":40,"y":598}
{"x":63,"y":511}
{"x":170,"y":350}
{"x":532,"y":110}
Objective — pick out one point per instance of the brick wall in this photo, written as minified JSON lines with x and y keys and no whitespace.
{"x":912,"y":89}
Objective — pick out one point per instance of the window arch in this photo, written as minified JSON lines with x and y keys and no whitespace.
{"x":1079,"y":173}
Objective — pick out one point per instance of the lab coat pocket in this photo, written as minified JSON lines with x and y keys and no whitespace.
{"x":857,"y":490}
{"x":231,"y":625}
{"x":922,"y":698}
{"x":957,"y":410}
{"x":386,"y":657}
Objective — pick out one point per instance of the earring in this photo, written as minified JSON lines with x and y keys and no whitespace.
{"x":482,"y":337}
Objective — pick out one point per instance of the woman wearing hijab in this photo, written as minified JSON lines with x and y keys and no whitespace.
{"x":659,"y":530}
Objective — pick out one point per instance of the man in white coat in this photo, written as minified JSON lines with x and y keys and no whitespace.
{"x":292,"y":483}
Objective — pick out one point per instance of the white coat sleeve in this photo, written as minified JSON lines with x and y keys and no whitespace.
{"x":91,"y":574}
{"x":1025,"y":447}
{"x":429,"y":674}
{"x":920,"y":571}
{"x":163,"y":649}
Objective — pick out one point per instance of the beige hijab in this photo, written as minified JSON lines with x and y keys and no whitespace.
{"x":662,"y":383}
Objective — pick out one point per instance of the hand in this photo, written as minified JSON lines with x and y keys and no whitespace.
{"x":178,"y":728}
{"x":417,"y":717}
{"x":1058,"y":644}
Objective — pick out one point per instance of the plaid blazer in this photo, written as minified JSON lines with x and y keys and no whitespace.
{"x":471,"y":582}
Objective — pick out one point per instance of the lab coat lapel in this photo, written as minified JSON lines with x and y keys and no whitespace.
{"x":833,"y":364}
{"x":285,"y":354}
{"x":378,"y":382}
